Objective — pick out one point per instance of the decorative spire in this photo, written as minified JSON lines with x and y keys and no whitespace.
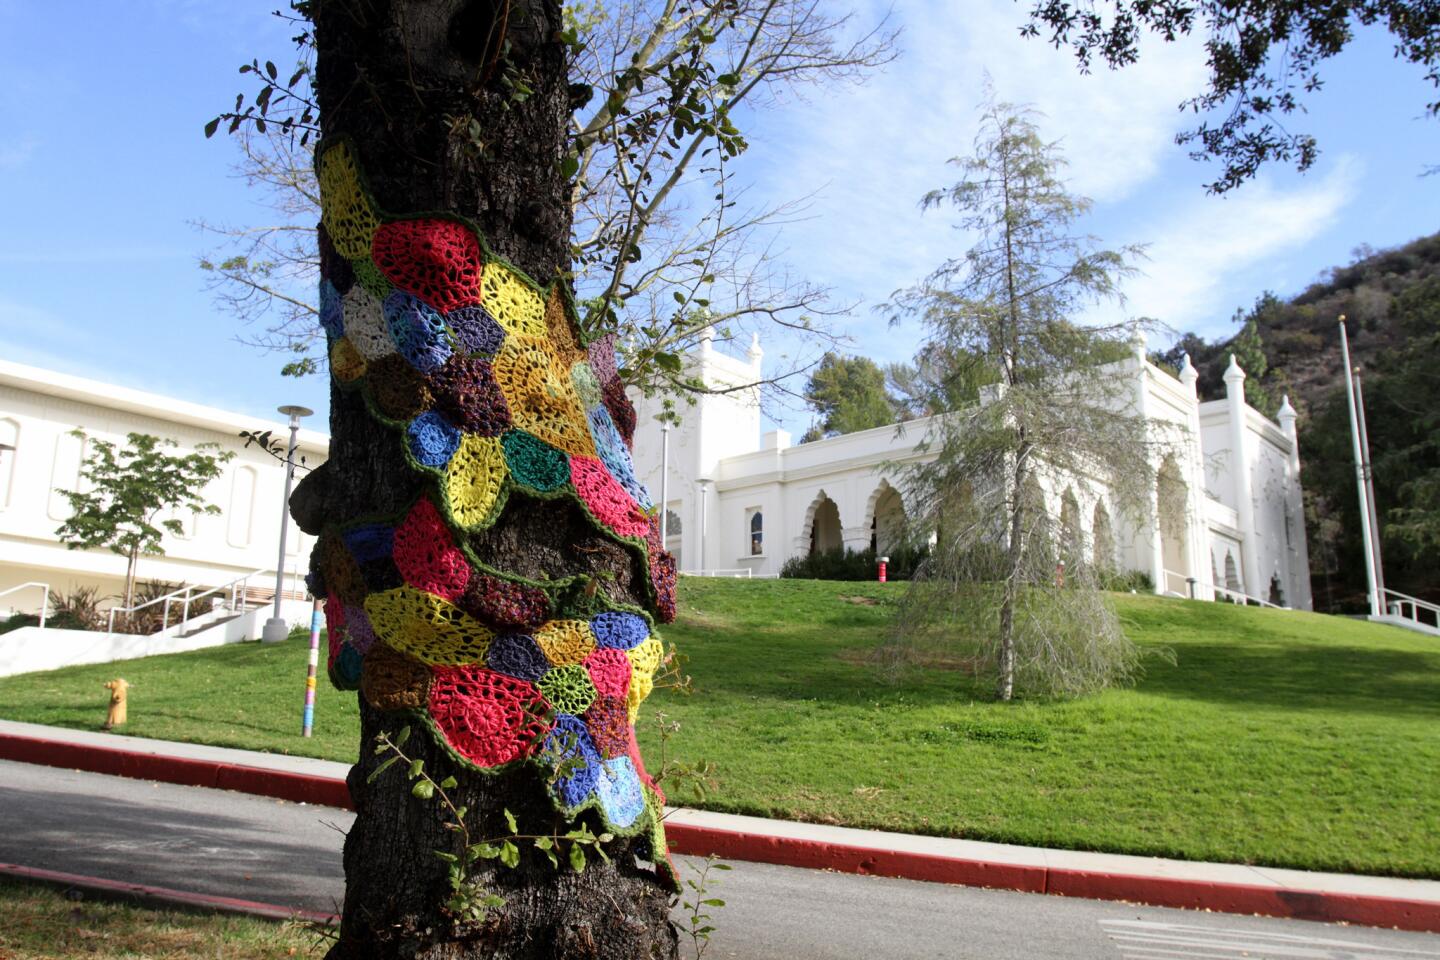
{"x":1233,"y":372}
{"x":1188,"y":373}
{"x":755,"y":354}
{"x":1286,"y":414}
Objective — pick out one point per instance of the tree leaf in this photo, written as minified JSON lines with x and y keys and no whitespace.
{"x":423,"y":789}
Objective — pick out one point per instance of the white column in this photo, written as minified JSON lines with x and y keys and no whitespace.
{"x":1240,"y":474}
{"x":1199,"y":538}
{"x":1299,"y":559}
{"x":1142,"y":409}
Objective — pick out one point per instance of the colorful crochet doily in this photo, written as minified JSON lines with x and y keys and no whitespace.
{"x":488,"y":387}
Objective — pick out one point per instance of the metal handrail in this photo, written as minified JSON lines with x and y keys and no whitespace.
{"x":1222,"y":590}
{"x":1415,"y":604}
{"x":44,"y":603}
{"x":186,"y":592}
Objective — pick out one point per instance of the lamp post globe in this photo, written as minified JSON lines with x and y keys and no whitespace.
{"x":276,"y":629}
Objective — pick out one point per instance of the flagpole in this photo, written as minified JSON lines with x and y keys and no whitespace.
{"x":1369,"y":474}
{"x":1365,"y":532}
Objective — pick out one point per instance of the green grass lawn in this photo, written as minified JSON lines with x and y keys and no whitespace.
{"x":41,"y":923}
{"x":1276,"y":737}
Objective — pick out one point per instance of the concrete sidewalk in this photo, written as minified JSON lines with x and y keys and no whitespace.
{"x":1232,"y":888}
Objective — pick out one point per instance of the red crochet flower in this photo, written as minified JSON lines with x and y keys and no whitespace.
{"x":487,"y":717}
{"x":606,"y":499}
{"x":436,"y":260}
{"x":426,"y":555}
{"x":609,"y":671}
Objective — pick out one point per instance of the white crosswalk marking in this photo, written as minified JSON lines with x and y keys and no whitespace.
{"x":1150,"y":940}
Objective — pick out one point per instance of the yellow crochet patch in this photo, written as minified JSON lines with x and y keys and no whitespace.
{"x":345,"y":360}
{"x":542,"y":396}
{"x":426,"y":627}
{"x":640,"y":687}
{"x":511,"y":302}
{"x":348,"y":216}
{"x":565,"y":642}
{"x":646,"y":657}
{"x":473,"y":479}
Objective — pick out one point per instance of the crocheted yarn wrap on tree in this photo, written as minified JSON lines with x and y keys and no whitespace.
{"x":486,"y":385}
{"x":489,"y":718}
{"x":436,"y":260}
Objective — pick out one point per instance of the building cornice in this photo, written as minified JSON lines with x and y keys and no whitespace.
{"x":67,"y":387}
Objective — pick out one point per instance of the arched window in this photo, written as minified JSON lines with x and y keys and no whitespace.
{"x":757,"y":532}
{"x":9,"y":446}
{"x":1232,"y":573}
{"x":1104,"y":539}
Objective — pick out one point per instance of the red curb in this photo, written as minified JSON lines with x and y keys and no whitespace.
{"x":1321,"y":906}
{"x":282,"y":785}
{"x":163,"y":896}
{"x":688,"y":839}
{"x":818,"y":855}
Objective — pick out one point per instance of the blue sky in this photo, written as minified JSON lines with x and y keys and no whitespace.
{"x":103,"y":167}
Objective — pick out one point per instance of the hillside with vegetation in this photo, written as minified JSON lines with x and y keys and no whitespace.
{"x":1391,"y":299}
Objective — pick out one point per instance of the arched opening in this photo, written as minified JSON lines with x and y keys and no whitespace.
{"x":757,"y":533}
{"x":1232,"y":573}
{"x":887,"y":526}
{"x":1172,"y":495}
{"x":1104,"y":539}
{"x":1038,"y":543}
{"x":825,"y":532}
{"x":674,"y":527}
{"x":1072,"y":543}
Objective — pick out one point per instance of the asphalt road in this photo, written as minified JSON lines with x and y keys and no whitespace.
{"x":233,"y":844}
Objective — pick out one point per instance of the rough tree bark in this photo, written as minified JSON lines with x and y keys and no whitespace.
{"x":423,"y":96}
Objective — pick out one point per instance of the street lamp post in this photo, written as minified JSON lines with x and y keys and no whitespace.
{"x":276,"y":629}
{"x":704,"y":484}
{"x":664,"y":485}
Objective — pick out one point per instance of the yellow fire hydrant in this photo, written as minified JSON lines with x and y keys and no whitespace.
{"x":117,"y":689}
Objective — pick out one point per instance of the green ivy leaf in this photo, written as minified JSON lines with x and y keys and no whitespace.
{"x":577,"y":858}
{"x":384,"y":765}
{"x":510,"y":821}
{"x":509,"y":854}
{"x":423,"y":789}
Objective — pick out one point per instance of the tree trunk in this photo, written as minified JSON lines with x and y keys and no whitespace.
{"x":467,"y":597}
{"x":131,"y":559}
{"x":1014,"y":575}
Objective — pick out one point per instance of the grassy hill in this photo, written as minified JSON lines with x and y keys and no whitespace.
{"x":1276,"y":737}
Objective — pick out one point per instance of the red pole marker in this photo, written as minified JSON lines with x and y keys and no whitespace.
{"x":883,"y":561}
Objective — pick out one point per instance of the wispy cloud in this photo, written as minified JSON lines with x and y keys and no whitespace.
{"x":1206,"y":248}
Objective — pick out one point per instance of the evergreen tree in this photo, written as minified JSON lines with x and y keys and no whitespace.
{"x":849,"y":395}
{"x":1056,"y":412}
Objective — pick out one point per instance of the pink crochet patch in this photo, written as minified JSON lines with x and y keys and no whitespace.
{"x":436,"y":260}
{"x":426,"y":555}
{"x":487,"y":717}
{"x":609,"y":671}
{"x":334,"y":625}
{"x":606,"y":499}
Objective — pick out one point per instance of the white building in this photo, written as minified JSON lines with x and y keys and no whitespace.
{"x":40,"y":455}
{"x":741,"y":501}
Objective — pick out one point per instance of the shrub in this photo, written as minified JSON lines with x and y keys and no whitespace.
{"x":847,"y":564}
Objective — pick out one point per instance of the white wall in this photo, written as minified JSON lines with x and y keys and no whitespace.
{"x":45,"y":407}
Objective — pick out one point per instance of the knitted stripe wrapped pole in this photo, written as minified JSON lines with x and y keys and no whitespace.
{"x":317,"y":617}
